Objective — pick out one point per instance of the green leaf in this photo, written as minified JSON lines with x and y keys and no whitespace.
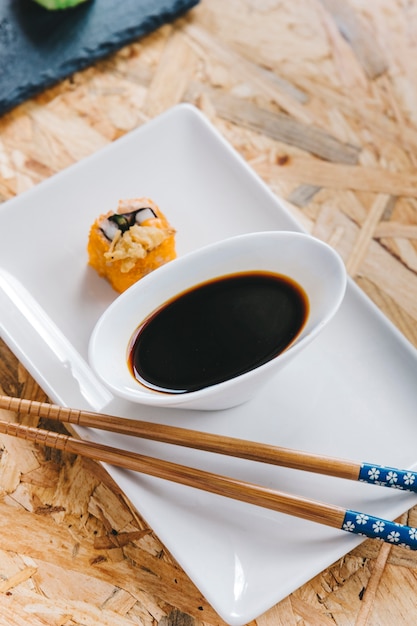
{"x":58,"y":4}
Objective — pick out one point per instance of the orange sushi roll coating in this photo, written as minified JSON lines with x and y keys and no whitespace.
{"x":129,"y":255}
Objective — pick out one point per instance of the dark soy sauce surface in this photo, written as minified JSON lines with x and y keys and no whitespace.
{"x":217,"y":330}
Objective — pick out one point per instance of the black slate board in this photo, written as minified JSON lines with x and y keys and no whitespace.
{"x":40,"y":47}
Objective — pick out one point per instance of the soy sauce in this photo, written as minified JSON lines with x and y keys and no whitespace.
{"x":217,"y":330}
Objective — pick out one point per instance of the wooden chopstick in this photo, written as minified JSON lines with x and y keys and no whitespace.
{"x":329,"y":515}
{"x":220,"y":444}
{"x":168,"y":470}
{"x":208,"y":442}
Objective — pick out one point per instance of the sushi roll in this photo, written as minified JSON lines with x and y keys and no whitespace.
{"x":126,"y":245}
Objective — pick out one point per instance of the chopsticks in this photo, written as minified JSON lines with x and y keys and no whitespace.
{"x":330,"y":515}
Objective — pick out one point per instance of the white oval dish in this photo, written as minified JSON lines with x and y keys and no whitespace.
{"x":314,"y":265}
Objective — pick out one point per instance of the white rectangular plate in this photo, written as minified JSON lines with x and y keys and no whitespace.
{"x":351,"y":394}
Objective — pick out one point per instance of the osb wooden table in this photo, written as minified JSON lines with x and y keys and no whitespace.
{"x":320,"y":97}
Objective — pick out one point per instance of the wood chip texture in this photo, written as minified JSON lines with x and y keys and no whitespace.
{"x":320,"y":98}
